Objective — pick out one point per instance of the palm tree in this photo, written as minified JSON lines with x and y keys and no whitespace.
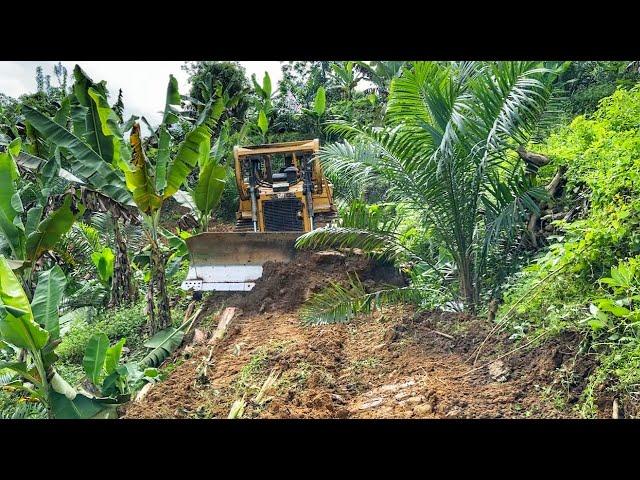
{"x":447,"y":152}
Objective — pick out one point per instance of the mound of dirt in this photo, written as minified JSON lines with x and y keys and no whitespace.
{"x":285,"y":286}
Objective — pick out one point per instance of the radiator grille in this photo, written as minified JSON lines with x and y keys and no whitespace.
{"x":281,"y":215}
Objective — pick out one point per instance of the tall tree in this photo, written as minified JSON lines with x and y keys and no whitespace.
{"x":205,"y":76}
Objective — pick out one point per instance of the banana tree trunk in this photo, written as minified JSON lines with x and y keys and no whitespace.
{"x":151,"y":309}
{"x":123,"y":289}
{"x":162,"y":318}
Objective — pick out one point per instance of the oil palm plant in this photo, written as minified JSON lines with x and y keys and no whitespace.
{"x":446,"y":153}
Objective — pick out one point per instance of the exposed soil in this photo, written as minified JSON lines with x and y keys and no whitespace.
{"x":391,"y":364}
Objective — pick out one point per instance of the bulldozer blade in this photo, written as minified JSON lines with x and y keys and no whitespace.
{"x":233,"y":261}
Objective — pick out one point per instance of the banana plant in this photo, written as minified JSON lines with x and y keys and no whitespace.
{"x":319,"y":109}
{"x":107,"y":378}
{"x":94,"y":148}
{"x":263,"y":104}
{"x":347,"y":76}
{"x":40,"y":232}
{"x":104,"y":261}
{"x":205,"y":197}
{"x":33,"y":330}
{"x":85,"y":137}
{"x":152,"y":181}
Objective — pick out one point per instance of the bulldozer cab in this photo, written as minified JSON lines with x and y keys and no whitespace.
{"x":282,"y":193}
{"x":282,"y":187}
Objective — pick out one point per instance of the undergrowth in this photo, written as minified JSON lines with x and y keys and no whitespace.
{"x":588,"y":280}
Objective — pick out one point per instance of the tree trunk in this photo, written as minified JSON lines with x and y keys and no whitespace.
{"x":163,"y":316}
{"x":123,"y":289}
{"x":468,"y":289}
{"x":152,"y":327}
{"x":553,"y":190}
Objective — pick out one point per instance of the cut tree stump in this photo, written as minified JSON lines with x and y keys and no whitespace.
{"x":223,"y":323}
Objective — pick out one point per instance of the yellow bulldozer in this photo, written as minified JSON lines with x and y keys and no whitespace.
{"x":282,"y":194}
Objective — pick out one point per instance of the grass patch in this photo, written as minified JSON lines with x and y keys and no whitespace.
{"x":365,"y":364}
{"x":253,"y":374}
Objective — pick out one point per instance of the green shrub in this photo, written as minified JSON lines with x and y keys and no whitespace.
{"x":602,"y":155}
{"x":125,"y":322}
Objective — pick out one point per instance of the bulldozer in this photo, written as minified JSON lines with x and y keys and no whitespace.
{"x":283,"y":193}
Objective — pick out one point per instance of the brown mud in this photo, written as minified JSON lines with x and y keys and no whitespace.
{"x":393,"y":363}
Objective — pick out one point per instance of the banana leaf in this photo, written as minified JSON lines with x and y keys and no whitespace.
{"x":108,"y":122}
{"x":320,"y":102}
{"x":21,"y":369}
{"x":51,"y":229}
{"x":173,"y":98}
{"x":8,"y":212}
{"x":263,"y":122}
{"x":84,"y":161}
{"x":92,"y":132}
{"x":139,"y":179}
{"x":191,"y":152}
{"x":208,"y":191}
{"x":112,"y":357}
{"x":80,"y":407}
{"x":46,"y":300}
{"x":31,"y":162}
{"x":164,"y":138}
{"x":104,"y":261}
{"x":17,"y":325}
{"x":162,"y":344}
{"x":94,"y":357}
{"x":185,"y":199}
{"x":62,"y":115}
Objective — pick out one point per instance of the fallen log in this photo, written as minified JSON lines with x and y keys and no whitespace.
{"x":533,"y":160}
{"x":225,"y":319}
{"x":552,"y":189}
{"x":143,"y":392}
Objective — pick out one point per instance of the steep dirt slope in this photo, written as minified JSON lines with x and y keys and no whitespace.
{"x":391,"y":364}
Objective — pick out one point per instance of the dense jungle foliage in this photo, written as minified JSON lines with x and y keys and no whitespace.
{"x":509,"y":190}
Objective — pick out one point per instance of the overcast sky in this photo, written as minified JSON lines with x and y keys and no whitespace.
{"x":143,"y":83}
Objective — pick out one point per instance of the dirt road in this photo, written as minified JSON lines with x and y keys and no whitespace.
{"x":392,"y":364}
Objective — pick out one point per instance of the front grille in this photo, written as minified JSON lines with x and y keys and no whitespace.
{"x":281,"y":215}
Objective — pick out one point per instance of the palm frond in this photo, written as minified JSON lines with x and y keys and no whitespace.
{"x":103,"y":222}
{"x":373,"y":218}
{"x":379,"y":244}
{"x":77,"y":245}
{"x":338,"y":303}
{"x":91,"y":293}
{"x":6,"y":378}
{"x":357,"y":163}
{"x":513,"y":95}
